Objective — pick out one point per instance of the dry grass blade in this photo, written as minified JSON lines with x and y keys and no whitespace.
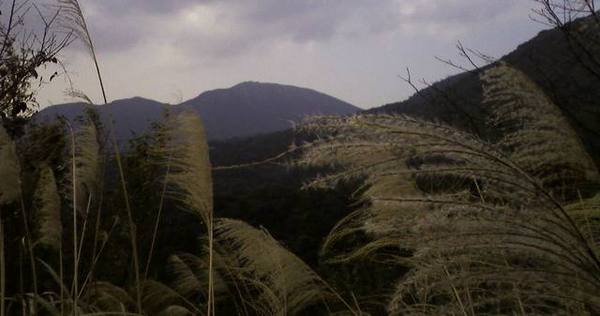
{"x":276,"y":281}
{"x":191,"y":276}
{"x":107,"y":297}
{"x":186,"y":281}
{"x":73,"y":19}
{"x":86,"y":168}
{"x":586,"y":213}
{"x":156,"y":296}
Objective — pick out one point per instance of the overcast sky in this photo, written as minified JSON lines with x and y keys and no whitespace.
{"x":351,"y":49}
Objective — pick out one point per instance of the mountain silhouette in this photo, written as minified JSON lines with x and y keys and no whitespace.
{"x":252,"y":108}
{"x":246,"y":109}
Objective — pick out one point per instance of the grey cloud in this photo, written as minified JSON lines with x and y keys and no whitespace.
{"x":120,"y":25}
{"x":351,"y":48}
{"x":124,"y":8}
{"x":317,"y":20}
{"x":301,"y":22}
{"x":457,"y":11}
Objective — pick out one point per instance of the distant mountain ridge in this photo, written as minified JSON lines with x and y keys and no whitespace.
{"x":130,"y":116}
{"x":246,"y":109}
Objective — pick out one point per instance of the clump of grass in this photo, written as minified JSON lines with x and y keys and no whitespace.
{"x":483,"y":227}
{"x":271,"y":280}
{"x":474,"y":218}
{"x":190,"y":179}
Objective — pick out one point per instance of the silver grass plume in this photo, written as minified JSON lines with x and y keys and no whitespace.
{"x":82,"y":180}
{"x":48,"y":210}
{"x":534,"y":130}
{"x":10,"y":182}
{"x":73,"y":19}
{"x":275,"y":281}
{"x":87,"y":167}
{"x":190,"y":177}
{"x":364,"y":147}
{"x":475,"y":223}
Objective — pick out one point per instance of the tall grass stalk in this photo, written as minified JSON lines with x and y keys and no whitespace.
{"x":61,"y":274}
{"x":455,"y":292}
{"x":75,"y":285}
{"x":191,"y":180}
{"x":21,"y":277}
{"x":79,"y":25}
{"x":132,"y":227}
{"x":29,"y":244}
{"x":211,"y":290}
{"x":96,"y":258}
{"x":158,"y":216}
{"x":98,"y":216}
{"x":353,"y":310}
{"x":2,"y":267}
{"x":84,"y":229}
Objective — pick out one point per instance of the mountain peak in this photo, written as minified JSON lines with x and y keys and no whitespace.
{"x":249,"y":84}
{"x":133,"y":100}
{"x":265,"y":85}
{"x":251,"y":108}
